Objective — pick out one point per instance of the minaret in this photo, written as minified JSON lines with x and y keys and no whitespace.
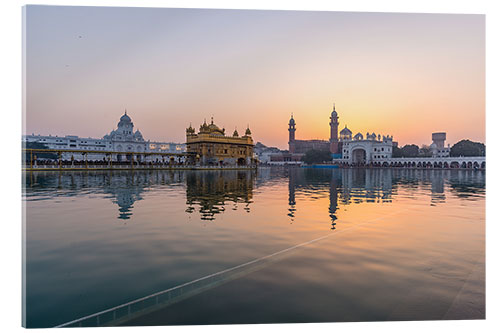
{"x":291,"y":135}
{"x":334,"y":130}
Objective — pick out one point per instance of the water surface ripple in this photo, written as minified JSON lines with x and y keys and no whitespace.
{"x":410,"y":244}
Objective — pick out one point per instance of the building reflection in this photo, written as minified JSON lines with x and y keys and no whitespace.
{"x":123,"y":188}
{"x":125,"y":199}
{"x":366,"y":185}
{"x":437,"y":188}
{"x":209,"y":192}
{"x":291,"y":197}
{"x":355,"y":186}
{"x":332,"y":208}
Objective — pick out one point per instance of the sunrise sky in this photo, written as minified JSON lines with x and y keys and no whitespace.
{"x":402,"y":74}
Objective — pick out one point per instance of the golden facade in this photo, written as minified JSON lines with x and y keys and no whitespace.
{"x":213,"y":147}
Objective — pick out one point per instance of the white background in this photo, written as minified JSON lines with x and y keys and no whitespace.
{"x":11,"y":128}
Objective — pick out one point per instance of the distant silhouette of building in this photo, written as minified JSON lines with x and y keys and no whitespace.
{"x":296,"y":146}
{"x":344,"y":147}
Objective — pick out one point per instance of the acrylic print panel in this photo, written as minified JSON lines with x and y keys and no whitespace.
{"x":203,"y":166}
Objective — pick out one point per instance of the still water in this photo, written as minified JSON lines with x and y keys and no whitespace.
{"x":374,"y":244}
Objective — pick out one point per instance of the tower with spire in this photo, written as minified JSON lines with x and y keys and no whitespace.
{"x":334,"y":130}
{"x":291,"y":135}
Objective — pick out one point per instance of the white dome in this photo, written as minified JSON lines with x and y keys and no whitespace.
{"x":138,"y":135}
{"x":346,"y":131}
{"x":125,"y":118}
{"x":125,"y":121}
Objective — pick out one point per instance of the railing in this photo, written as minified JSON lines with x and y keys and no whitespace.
{"x":133,"y":161}
{"x":125,"y":312}
{"x":55,"y":167}
{"x":460,"y":162}
{"x":139,"y":307}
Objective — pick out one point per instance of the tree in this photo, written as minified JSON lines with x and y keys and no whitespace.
{"x":425,"y":151}
{"x":317,"y":156}
{"x":468,"y":148}
{"x":396,"y":152}
{"x":406,"y":151}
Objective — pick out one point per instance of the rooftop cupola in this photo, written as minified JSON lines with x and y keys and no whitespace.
{"x":346,"y":131}
{"x":334,"y":113}
{"x":190,"y":129}
{"x":125,"y":120}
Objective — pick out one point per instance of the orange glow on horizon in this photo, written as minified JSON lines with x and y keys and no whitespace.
{"x":406,"y":75}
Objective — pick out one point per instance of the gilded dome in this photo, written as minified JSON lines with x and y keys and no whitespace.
{"x":214,"y":128}
{"x":211,"y":129}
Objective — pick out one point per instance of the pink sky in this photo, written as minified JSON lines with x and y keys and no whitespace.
{"x":402,"y":74}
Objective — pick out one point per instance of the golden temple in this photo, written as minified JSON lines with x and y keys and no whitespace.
{"x":213,"y":147}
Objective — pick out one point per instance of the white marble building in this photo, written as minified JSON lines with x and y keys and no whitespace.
{"x":364,"y":150}
{"x":122,"y":139}
{"x":437,"y":147}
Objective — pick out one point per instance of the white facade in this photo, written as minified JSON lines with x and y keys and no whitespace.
{"x":439,"y":162}
{"x":440,"y":152}
{"x":264,"y":156}
{"x":122,"y":139}
{"x":360,"y":150}
{"x":437,"y":147}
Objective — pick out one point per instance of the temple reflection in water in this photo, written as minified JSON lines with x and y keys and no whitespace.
{"x":354,"y":186}
{"x":210,"y":193}
{"x":163,"y":228}
{"x":212,"y":190}
{"x":344,"y":185}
